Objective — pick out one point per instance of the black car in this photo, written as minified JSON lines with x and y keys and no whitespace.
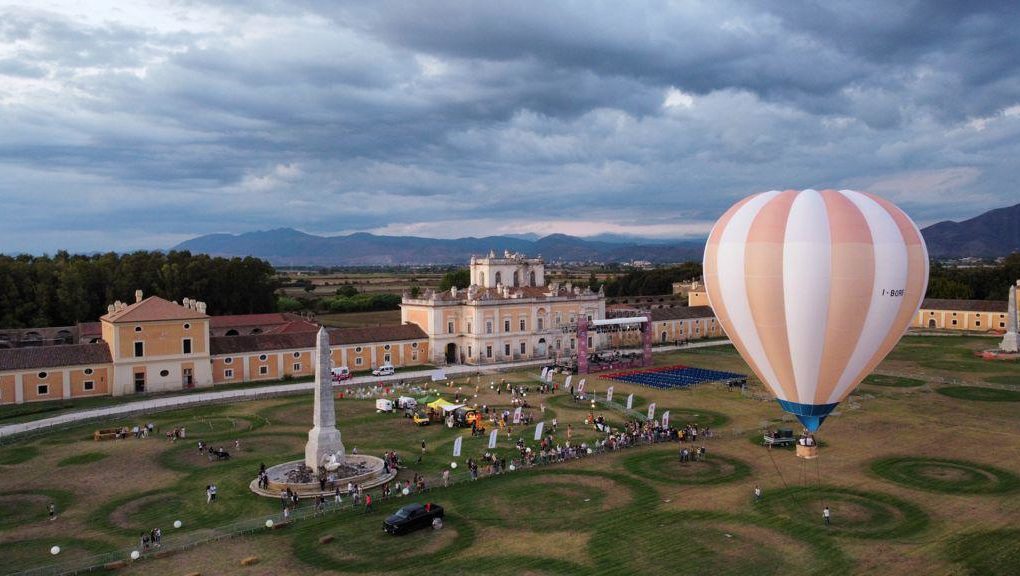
{"x":412,"y":517}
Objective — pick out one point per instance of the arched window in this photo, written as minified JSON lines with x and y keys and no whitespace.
{"x":499,"y":278}
{"x":231,"y":332}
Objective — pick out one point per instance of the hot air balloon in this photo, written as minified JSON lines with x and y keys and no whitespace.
{"x":814,"y":289}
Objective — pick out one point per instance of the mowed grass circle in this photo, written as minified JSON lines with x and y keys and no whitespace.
{"x":892,"y":381}
{"x":22,"y":507}
{"x":703,"y":542}
{"x":987,"y":553}
{"x":945,"y":476}
{"x":551,"y":501}
{"x":17,"y":454}
{"x":83,"y":458}
{"x":979,"y":394}
{"x":23,"y":554}
{"x":361,"y":545}
{"x":855,"y":513}
{"x":665,"y":466}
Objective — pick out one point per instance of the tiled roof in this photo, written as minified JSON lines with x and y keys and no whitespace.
{"x":965,"y":305}
{"x":681,"y":313}
{"x":220,"y":345}
{"x":294,"y":327}
{"x":54,"y":356}
{"x":244,"y":320}
{"x":90,"y":328}
{"x":153,"y":308}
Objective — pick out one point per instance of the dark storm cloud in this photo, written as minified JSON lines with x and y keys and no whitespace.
{"x":149,"y":123}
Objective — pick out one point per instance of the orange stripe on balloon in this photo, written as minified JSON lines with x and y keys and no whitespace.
{"x":851,"y":283}
{"x":711,"y":274}
{"x":763,"y":271}
{"x":917,"y":279}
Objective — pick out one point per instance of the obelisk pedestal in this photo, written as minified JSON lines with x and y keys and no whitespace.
{"x":324,"y":445}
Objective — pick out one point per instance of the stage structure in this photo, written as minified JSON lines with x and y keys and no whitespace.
{"x":613,"y":360}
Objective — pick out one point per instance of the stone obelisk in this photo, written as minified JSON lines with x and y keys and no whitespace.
{"x":324,"y":437}
{"x":1009,"y":341}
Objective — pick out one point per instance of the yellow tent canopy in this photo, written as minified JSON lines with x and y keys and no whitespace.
{"x":443,"y":405}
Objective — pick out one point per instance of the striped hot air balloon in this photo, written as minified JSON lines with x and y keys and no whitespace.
{"x":814,"y":289}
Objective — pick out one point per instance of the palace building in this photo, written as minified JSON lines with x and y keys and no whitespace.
{"x":508,"y":313}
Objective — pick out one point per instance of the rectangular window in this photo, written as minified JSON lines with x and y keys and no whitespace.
{"x":386,"y":358}
{"x":523,"y":325}
{"x":42,"y":389}
{"x":357,"y":361}
{"x":488,"y":351}
{"x":449,"y":327}
{"x":541,"y":324}
{"x":187,"y":345}
{"x":506,"y":350}
{"x":559,"y":344}
{"x":524,"y":348}
{"x":139,"y":381}
{"x":414,"y":355}
{"x":589,"y":341}
{"x":469,"y":351}
{"x":139,"y":349}
{"x":488,"y":327}
{"x":297,"y":367}
{"x":573,"y":343}
{"x":589,"y":318}
{"x":954,"y":321}
{"x":263,"y":370}
{"x":559,"y":319}
{"x":228,"y":373}
{"x":506,"y":325}
{"x":88,"y":385}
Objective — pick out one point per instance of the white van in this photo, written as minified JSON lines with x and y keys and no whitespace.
{"x":383,"y":405}
{"x":341,"y":373}
{"x":407,"y":403}
{"x":384,"y":370}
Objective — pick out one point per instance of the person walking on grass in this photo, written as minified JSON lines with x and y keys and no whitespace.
{"x":368,"y":502}
{"x":757,"y":493}
{"x":446,"y":478}
{"x":52,"y":509}
{"x":826,"y":514}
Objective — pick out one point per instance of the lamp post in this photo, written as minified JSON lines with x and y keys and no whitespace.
{"x":591,"y":416}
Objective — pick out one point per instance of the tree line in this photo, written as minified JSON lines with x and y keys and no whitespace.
{"x":649,"y":282}
{"x":64,"y":289}
{"x":977,"y":283}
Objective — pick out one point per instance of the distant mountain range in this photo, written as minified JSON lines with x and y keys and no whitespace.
{"x":992,"y":234}
{"x":289,"y":247}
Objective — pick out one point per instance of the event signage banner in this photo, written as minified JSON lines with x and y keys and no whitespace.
{"x":651,"y":411}
{"x":456,"y":445}
{"x":538,"y":430}
{"x":492,"y":437}
{"x":566,"y":383}
{"x":609,"y":394}
{"x":665,"y":419}
{"x":580,"y":386}
{"x":630,"y":402}
{"x":517,"y":415}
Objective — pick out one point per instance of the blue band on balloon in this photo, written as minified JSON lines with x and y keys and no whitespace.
{"x":810,"y":415}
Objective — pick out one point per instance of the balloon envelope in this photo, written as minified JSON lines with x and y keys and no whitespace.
{"x":814,"y":289}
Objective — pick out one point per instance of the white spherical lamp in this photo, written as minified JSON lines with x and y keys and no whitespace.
{"x":453,"y":464}
{"x":512,"y":467}
{"x":135,"y":555}
{"x":178,"y":523}
{"x":405,"y":491}
{"x":55,"y":550}
{"x":269,"y":523}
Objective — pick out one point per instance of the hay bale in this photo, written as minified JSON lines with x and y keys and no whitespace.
{"x":115,"y":565}
{"x":280,"y":525}
{"x":250,"y":561}
{"x":326,"y":539}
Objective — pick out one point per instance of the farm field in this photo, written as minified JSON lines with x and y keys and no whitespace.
{"x":905,"y":469}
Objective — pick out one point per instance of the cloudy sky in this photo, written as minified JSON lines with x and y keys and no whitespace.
{"x":137,"y":125}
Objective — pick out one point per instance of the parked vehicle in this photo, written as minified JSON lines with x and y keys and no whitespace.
{"x":384,"y":370}
{"x":341,"y":373}
{"x":407,"y":403}
{"x":383,"y":405}
{"x":412,"y":517}
{"x":421,"y":418}
{"x":464,"y":417}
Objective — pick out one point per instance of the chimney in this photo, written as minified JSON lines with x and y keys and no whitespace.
{"x":138,"y":296}
{"x":201,"y":307}
{"x":111,"y":309}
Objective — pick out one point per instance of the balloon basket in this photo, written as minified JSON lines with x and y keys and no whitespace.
{"x":807,"y":452}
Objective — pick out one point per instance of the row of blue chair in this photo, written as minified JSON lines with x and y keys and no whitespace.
{"x":678,"y":378}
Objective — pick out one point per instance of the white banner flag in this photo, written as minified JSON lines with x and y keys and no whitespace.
{"x":609,"y":394}
{"x":456,"y":445}
{"x":548,"y":377}
{"x":566,"y":383}
{"x":538,"y":430}
{"x":545,"y":370}
{"x":492,"y":437}
{"x":651,"y":411}
{"x":517,"y":415}
{"x":630,"y":402}
{"x":580,"y":386}
{"x":665,"y":419}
